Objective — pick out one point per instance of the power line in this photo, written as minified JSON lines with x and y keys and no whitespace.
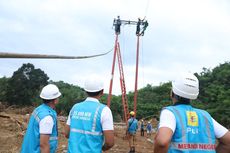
{"x":146,"y":9}
{"x":45,"y":56}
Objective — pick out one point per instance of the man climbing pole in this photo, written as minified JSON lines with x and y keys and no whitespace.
{"x":131,"y":131}
{"x":138,"y":27}
{"x":144,"y":27}
{"x":117,"y":24}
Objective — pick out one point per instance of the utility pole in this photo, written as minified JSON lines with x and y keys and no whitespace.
{"x":139,"y":32}
{"x":140,"y":28}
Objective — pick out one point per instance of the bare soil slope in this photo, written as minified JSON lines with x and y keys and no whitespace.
{"x":13,"y":123}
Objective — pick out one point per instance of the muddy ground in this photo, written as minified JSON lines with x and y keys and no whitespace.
{"x":13,"y":123}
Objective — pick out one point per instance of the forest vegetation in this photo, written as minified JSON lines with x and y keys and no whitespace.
{"x":22,"y":89}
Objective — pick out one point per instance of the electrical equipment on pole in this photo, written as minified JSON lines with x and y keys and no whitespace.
{"x":139,"y":32}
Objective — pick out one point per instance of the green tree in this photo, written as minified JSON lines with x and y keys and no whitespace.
{"x":3,"y":87}
{"x":215,"y":91}
{"x":25,"y":85}
{"x":70,"y":95}
{"x":116,"y":108}
{"x":151,"y":99}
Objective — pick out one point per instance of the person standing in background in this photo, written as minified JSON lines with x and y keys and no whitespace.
{"x":131,"y":131}
{"x":142,"y":128}
{"x":149,"y":129}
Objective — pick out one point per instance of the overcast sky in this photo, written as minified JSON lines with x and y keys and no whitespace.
{"x":183,"y":35}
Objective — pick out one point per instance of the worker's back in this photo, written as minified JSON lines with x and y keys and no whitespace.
{"x":194,"y":130}
{"x":86,"y":134}
{"x":133,"y":125}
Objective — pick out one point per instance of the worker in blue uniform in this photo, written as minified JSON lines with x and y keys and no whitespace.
{"x":89,"y":127}
{"x":149,"y":128}
{"x":142,"y":128}
{"x":131,"y":131}
{"x":183,"y":128}
{"x":42,"y":134}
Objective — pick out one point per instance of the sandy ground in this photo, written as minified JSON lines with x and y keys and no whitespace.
{"x":13,"y":123}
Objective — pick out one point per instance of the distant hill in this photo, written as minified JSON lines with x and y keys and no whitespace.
{"x":214,"y":93}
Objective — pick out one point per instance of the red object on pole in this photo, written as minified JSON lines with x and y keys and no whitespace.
{"x":123,"y":88}
{"x":122,"y":81}
{"x":136,"y":77}
{"x":117,"y":23}
{"x":112,"y":73}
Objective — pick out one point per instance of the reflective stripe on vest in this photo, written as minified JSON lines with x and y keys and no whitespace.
{"x":207,"y":128}
{"x":93,"y":126}
{"x":184,"y":131}
{"x":85,"y":132}
{"x":181,"y":122}
{"x":184,"y":145}
{"x":35,"y":115}
{"x":95,"y":118}
{"x":53,"y":138}
{"x":32,"y":132}
{"x":193,"y":146}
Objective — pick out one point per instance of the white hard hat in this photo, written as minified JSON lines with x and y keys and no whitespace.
{"x":93,"y":84}
{"x":49,"y":92}
{"x":186,"y":86}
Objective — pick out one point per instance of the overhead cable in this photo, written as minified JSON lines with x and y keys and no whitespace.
{"x":44,"y":56}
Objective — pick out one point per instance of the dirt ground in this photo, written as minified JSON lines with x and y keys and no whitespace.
{"x":13,"y":123}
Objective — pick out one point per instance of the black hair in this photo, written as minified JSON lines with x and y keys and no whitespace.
{"x":180,"y":99}
{"x":46,"y":101}
{"x":93,"y":94}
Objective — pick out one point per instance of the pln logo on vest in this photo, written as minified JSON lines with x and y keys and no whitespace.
{"x":192,"y":118}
